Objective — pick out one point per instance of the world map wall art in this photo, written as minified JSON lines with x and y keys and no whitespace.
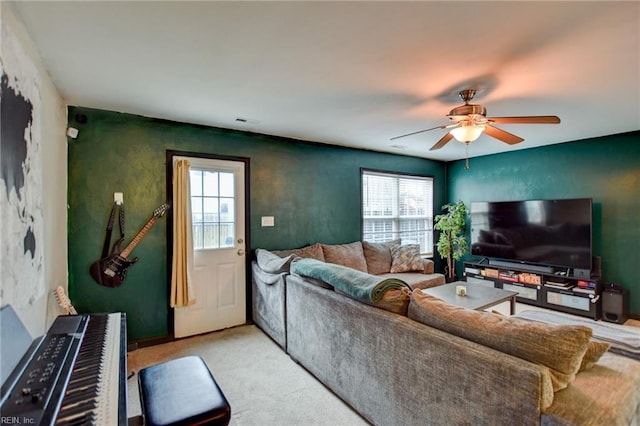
{"x":21,"y":219}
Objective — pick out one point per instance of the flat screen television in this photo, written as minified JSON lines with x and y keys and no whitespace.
{"x":551,"y":233}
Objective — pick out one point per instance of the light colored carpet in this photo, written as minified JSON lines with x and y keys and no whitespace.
{"x":262,"y":384}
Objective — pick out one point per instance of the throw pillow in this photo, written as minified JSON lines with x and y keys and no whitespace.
{"x":349,"y":255}
{"x":406,"y":258}
{"x":558,"y":347}
{"x":378,"y":256}
{"x":594,"y":351}
{"x":313,"y":251}
{"x":272,"y":263}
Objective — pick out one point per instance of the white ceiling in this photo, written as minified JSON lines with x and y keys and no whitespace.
{"x":350,"y":73}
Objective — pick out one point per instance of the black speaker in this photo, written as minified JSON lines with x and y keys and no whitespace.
{"x":615,"y":307}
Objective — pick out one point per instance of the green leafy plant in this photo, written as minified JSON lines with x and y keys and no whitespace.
{"x":452,"y":244}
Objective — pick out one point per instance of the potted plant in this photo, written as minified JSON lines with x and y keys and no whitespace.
{"x":452,"y":243}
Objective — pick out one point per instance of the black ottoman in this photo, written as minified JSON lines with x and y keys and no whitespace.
{"x":182,"y":392}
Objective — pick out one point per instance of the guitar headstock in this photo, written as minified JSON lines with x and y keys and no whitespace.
{"x":64,"y":301}
{"x":160,"y":211}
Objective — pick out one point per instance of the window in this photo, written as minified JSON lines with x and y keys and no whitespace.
{"x":398,"y":206}
{"x":212,"y":208}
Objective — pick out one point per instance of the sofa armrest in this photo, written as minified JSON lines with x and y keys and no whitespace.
{"x":269,"y":262}
{"x":268,"y":301}
{"x":428,"y":266}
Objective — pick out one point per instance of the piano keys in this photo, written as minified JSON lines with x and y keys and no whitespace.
{"x":74,"y":375}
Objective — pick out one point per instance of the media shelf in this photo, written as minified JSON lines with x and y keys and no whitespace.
{"x":552,"y":289}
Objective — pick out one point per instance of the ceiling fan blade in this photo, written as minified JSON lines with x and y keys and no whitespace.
{"x":500,"y":134}
{"x":446,"y":126}
{"x":442,"y":142}
{"x":539,"y":119}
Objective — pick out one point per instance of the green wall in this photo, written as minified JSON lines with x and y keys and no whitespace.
{"x":605,"y":169}
{"x":313,"y":191}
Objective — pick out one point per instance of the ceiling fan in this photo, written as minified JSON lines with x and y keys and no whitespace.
{"x":469,"y":121}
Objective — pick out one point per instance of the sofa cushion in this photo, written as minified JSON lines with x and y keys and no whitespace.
{"x":606,"y":394}
{"x":558,"y":347}
{"x":272,"y":263}
{"x":406,"y":258}
{"x":350,"y":255}
{"x":314,"y":251}
{"x":595,"y":350}
{"x":378,"y":256}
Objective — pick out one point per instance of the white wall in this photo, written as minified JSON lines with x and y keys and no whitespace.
{"x":42,"y":308}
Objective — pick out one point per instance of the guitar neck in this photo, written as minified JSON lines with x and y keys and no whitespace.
{"x":129,"y":248}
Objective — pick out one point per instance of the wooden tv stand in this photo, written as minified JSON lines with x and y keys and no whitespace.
{"x":546,"y":288}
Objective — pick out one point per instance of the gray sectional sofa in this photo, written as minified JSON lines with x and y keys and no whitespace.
{"x":428,"y":367}
{"x":270,"y":269}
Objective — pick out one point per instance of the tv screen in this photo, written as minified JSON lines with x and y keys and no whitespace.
{"x":553,"y":233}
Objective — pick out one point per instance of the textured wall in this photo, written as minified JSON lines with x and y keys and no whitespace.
{"x":605,"y":169}
{"x":314,"y":193}
{"x":312,"y":190}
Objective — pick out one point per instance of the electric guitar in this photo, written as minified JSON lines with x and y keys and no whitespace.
{"x":64,"y":301}
{"x":112,"y":270}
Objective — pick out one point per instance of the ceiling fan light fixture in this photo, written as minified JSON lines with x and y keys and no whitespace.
{"x":467,"y":134}
{"x":469,"y":121}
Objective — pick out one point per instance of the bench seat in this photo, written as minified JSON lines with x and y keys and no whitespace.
{"x":182,"y":392}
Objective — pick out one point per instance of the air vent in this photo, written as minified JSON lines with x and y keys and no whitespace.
{"x":247,"y":120}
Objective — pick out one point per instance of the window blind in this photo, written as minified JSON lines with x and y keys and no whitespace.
{"x":398,"y":206}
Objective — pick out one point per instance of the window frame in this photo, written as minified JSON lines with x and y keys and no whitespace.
{"x":430,"y":253}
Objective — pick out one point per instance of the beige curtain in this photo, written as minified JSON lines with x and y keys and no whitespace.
{"x":182,"y":293}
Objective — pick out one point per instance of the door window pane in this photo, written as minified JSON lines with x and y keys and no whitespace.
{"x":212,"y":208}
{"x":198,"y":235}
{"x":210,"y":184}
{"x":196,"y":182}
{"x":227,"y":187}
{"x":226,"y":234}
{"x":227,"y":210}
{"x":196,"y":210}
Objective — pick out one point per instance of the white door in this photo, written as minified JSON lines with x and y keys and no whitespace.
{"x":217,"y":209}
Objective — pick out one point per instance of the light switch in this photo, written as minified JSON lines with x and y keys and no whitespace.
{"x":268,"y":221}
{"x":118,"y":198}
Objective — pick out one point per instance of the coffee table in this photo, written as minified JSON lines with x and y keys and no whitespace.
{"x":478,"y":297}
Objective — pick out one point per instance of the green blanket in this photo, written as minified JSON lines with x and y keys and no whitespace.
{"x":359,"y":285}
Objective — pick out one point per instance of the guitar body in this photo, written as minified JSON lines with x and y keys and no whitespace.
{"x":111,"y":271}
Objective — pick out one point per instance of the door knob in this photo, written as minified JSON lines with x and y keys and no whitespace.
{"x":240,"y":252}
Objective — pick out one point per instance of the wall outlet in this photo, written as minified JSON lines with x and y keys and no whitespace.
{"x":268,"y":221}
{"x":72,"y":132}
{"x":118,"y":198}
